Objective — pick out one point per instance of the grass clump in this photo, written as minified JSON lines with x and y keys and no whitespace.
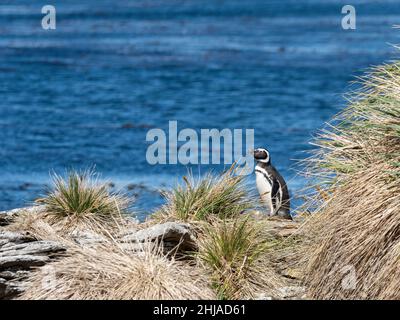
{"x":231,"y":246}
{"x":355,"y":251}
{"x":229,"y":263}
{"x":222,"y":196}
{"x":82,"y":198}
{"x":232,"y":250}
{"x":80,"y":195}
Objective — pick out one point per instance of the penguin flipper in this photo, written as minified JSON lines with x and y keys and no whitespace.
{"x":275,"y":195}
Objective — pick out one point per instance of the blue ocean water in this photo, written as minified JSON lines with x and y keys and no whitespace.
{"x":87,"y":93}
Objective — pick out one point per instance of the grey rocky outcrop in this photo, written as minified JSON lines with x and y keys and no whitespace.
{"x":19,"y":255}
{"x":175,"y":237}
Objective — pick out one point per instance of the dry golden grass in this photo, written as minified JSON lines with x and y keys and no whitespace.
{"x":44,"y":226}
{"x":357,"y":238}
{"x":356,"y":229}
{"x":233,"y":262}
{"x":110,"y":272}
{"x":35,"y":224}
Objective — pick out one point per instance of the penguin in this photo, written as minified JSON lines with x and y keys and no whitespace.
{"x":271,"y":185}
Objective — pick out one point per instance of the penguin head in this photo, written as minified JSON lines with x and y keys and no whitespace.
{"x":262,"y":155}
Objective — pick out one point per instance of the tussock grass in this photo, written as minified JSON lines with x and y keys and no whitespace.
{"x":223,"y":196}
{"x":81,"y":199}
{"x":231,"y":245}
{"x":232,"y":260}
{"x":232,"y":251}
{"x":355,"y":252}
{"x":109,"y":272}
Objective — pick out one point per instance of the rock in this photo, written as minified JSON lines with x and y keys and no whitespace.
{"x":137,"y":247}
{"x":285,"y":293}
{"x":86,"y":238}
{"x":169,"y":231}
{"x":6,"y":217}
{"x":276,"y":227}
{"x":3,"y":288}
{"x":19,"y":255}
{"x":9,"y":275}
{"x":281,"y":228}
{"x":35,"y":248}
{"x":174,"y":236}
{"x":292,"y":273}
{"x":293,"y":293}
{"x":22,"y":261}
{"x":10,"y":289}
{"x":9,"y":237}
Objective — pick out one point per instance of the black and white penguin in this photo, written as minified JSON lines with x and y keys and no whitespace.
{"x":271,"y":186}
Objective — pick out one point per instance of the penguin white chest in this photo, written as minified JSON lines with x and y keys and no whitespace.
{"x":264,"y":188}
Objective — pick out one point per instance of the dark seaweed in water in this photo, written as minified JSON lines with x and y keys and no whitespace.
{"x":88,"y":92}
